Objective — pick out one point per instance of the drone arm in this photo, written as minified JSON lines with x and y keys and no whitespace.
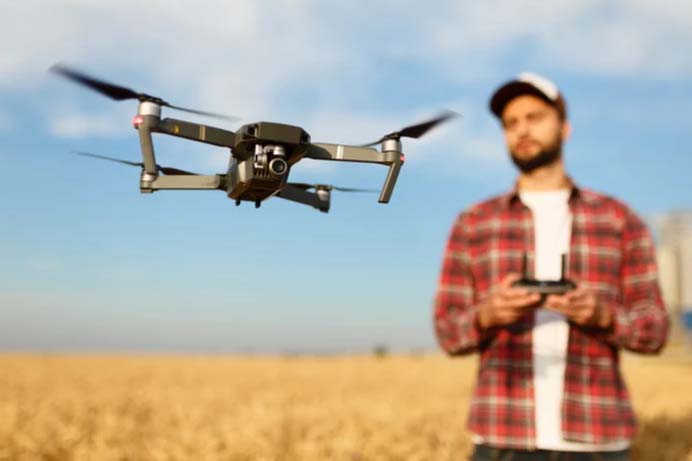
{"x":342,"y":153}
{"x":148,"y":121}
{"x":183,"y":182}
{"x":196,"y":132}
{"x":391,"y":156}
{"x":299,"y":195}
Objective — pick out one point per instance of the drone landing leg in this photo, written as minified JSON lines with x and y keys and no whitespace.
{"x":390,"y":156}
{"x":147,"y":145}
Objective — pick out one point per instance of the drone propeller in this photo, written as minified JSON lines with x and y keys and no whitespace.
{"x":329,"y":187}
{"x":120,"y":93}
{"x":417,"y":130}
{"x":162,"y":169}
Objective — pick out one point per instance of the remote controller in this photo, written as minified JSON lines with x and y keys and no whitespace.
{"x":545,"y":287}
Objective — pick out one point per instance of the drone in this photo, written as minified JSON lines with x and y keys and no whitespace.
{"x":262,"y":153}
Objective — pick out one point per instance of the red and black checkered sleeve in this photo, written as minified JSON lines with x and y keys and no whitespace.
{"x":454,"y":310}
{"x":641,"y":320}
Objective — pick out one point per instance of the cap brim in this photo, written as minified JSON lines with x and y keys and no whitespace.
{"x":511,"y":90}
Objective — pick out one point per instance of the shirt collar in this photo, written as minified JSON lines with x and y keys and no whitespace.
{"x":577,"y":194}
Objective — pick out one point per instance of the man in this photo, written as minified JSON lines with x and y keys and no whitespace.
{"x":549,"y":385}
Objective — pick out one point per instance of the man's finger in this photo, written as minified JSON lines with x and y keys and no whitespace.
{"x":513,"y":293}
{"x":567,"y":311}
{"x":522,"y":301}
{"x":561,"y":301}
{"x":577,"y":294}
{"x":509,"y":279}
{"x":584,"y":307}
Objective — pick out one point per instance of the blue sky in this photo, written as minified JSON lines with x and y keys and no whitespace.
{"x":87,"y":263}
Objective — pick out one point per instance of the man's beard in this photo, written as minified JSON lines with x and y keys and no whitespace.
{"x":546,"y":156}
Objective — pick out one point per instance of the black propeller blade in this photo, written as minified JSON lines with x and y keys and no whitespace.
{"x":120,"y":93}
{"x":328,"y":187}
{"x":162,"y":169}
{"x":173,"y":171}
{"x":417,"y":130}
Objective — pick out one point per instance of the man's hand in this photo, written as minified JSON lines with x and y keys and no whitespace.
{"x":506,"y":304}
{"x":581,"y":306}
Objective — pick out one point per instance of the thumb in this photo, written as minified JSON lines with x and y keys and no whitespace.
{"x":509,"y":279}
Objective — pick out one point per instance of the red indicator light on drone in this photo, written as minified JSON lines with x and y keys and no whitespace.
{"x":138,"y":120}
{"x":402,"y":158}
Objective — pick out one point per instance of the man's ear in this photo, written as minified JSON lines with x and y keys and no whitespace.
{"x":566,"y":130}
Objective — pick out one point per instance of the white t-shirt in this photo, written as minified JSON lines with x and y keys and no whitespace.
{"x":552,"y":228}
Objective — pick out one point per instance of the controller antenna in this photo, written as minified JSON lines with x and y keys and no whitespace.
{"x":524,"y":266}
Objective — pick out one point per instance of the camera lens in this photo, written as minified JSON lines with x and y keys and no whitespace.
{"x":278,"y":166}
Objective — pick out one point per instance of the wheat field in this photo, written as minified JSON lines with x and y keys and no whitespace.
{"x":396,"y":407}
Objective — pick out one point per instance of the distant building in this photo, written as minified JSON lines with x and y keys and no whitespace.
{"x":674,"y":257}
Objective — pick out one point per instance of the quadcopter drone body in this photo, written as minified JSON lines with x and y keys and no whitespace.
{"x":262,"y":156}
{"x":262,"y":153}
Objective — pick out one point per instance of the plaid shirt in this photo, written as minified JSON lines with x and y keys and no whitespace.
{"x":612,"y":253}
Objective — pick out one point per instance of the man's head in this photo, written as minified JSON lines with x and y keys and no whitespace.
{"x":534,"y":119}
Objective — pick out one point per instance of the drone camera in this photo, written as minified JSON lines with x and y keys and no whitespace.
{"x":278,"y":166}
{"x":272,"y":157}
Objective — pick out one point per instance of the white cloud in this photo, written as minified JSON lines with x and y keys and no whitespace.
{"x":638,"y":39}
{"x":243,"y":57}
{"x":81,"y":125}
{"x":246,"y":48}
{"x":474,"y":41}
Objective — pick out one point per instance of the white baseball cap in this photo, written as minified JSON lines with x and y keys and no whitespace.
{"x":528,"y":83}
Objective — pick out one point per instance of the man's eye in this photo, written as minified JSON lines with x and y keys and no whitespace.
{"x":536,"y":116}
